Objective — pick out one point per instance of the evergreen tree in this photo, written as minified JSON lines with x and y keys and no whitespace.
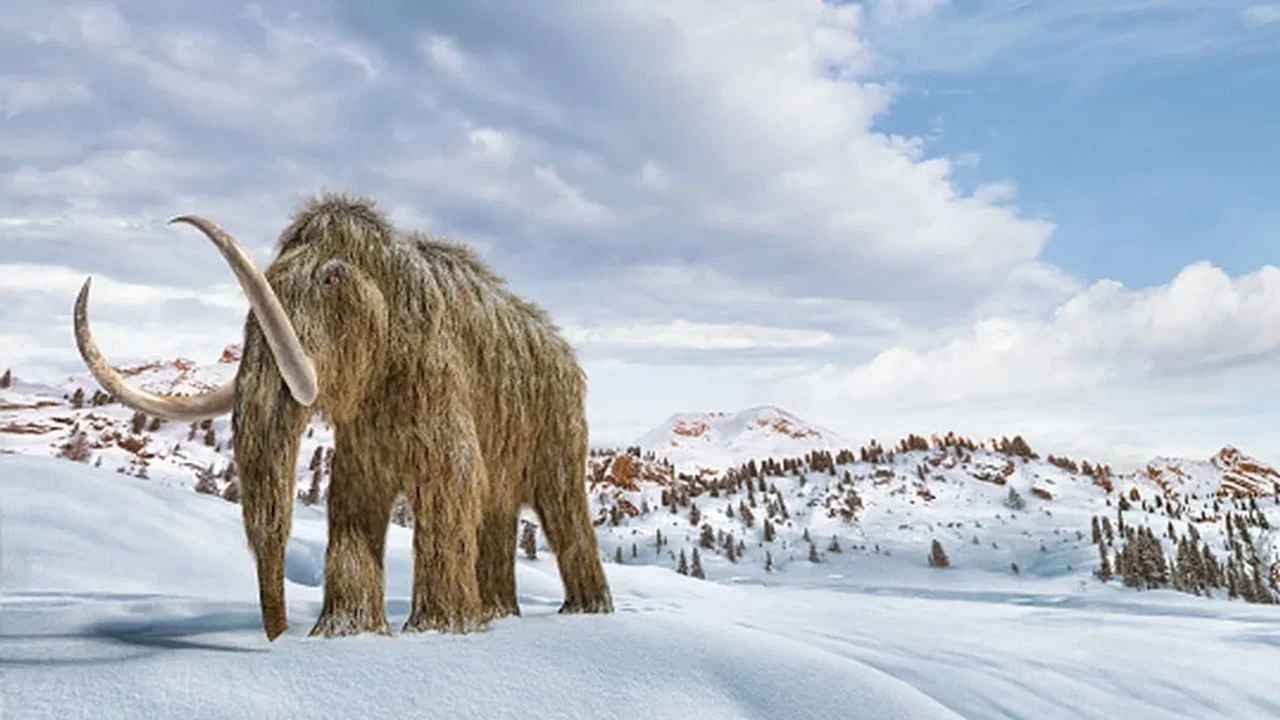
{"x":937,"y":556}
{"x":707,"y":538}
{"x":695,"y":568}
{"x":682,"y":565}
{"x":529,"y":539}
{"x":1103,"y":572}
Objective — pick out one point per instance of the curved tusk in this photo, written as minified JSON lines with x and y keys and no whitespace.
{"x":217,"y":401}
{"x":295,"y":366}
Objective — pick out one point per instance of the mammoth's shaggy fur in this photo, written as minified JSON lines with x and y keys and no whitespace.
{"x":440,"y":382}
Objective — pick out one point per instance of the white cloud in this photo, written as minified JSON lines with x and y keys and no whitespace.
{"x":1174,"y":348}
{"x":19,"y":94}
{"x":682,"y":334}
{"x":701,"y":193}
{"x":130,"y":321}
{"x":904,"y":10}
{"x":1264,"y":14}
{"x":1202,"y":320}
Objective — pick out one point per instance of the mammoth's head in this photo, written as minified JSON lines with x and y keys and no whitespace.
{"x":318,"y":319}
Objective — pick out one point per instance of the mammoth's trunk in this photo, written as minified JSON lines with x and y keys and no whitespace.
{"x":267,"y":425}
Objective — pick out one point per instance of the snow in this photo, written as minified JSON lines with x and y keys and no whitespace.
{"x":718,"y":440}
{"x":125,"y":598}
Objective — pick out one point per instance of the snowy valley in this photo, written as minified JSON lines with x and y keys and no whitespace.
{"x":762,"y":566}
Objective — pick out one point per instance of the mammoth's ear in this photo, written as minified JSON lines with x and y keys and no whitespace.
{"x":333,"y":274}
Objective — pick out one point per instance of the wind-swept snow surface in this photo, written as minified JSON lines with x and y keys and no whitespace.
{"x":124,"y":598}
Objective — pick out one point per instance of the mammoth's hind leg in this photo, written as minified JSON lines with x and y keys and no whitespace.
{"x":496,"y":566}
{"x":560,"y":499}
{"x":359,"y":509}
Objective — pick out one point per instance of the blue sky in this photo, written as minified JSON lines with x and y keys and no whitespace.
{"x":891,"y":216}
{"x":1145,"y":160}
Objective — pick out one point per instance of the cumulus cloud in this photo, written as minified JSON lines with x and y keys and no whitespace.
{"x":1202,"y":320}
{"x":701,"y":194}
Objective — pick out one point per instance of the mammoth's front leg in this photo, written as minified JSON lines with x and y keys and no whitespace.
{"x":447,"y":507}
{"x":359,"y":509}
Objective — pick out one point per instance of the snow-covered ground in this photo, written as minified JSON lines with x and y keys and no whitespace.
{"x":127,"y":598}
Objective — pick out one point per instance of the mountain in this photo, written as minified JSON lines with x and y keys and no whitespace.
{"x":762,"y":488}
{"x":718,"y":440}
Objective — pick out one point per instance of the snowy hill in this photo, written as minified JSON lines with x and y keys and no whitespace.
{"x":718,"y":440}
{"x":126,"y":599}
{"x":130,"y":600}
{"x":862,"y":568}
{"x":822,"y":508}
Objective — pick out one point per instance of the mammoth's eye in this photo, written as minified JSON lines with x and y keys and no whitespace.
{"x":333,"y":273}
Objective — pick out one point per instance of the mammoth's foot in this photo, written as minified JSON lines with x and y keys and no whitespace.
{"x":498,"y":609}
{"x":597,"y":604}
{"x":459,"y":623}
{"x":345,"y":623}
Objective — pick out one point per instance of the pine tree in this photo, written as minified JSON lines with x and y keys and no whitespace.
{"x":768,"y":561}
{"x":768,"y":531}
{"x":938,"y":556}
{"x":1014,"y":501}
{"x":617,"y":554}
{"x":77,"y":398}
{"x":76,"y":448}
{"x":695,"y":515}
{"x":707,"y":538}
{"x":1212,"y":570}
{"x":682,"y":565}
{"x":1103,"y":572}
{"x":529,"y":539}
{"x":695,"y":569}
{"x":205,"y":481}
{"x":813,"y":553}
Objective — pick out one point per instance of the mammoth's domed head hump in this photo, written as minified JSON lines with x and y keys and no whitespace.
{"x":338,"y":224}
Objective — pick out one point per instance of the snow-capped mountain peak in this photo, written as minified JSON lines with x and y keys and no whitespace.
{"x":695,"y":440}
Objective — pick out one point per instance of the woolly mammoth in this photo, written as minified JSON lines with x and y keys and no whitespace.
{"x":439,"y":381}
